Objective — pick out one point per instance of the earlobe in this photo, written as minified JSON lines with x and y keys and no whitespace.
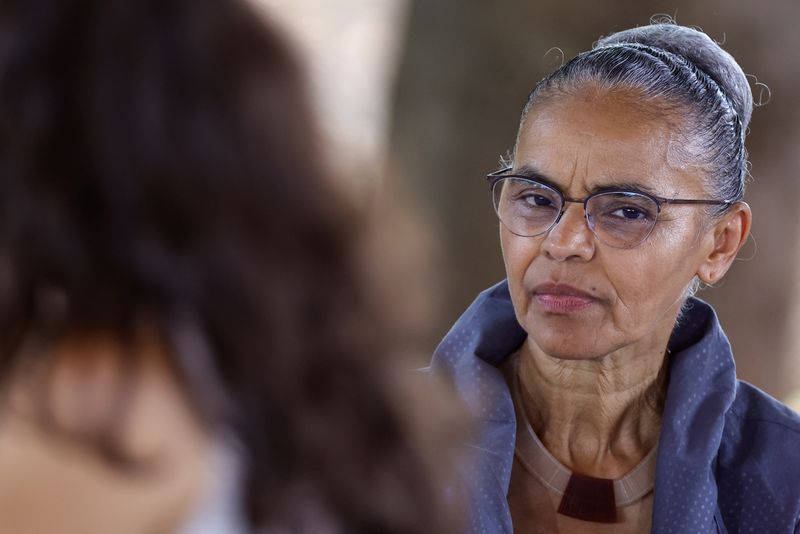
{"x":729,"y":235}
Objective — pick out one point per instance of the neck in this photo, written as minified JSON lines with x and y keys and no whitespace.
{"x":598,"y":417}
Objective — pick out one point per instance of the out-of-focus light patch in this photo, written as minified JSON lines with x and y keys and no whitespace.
{"x":793,"y":400}
{"x":352,"y":48}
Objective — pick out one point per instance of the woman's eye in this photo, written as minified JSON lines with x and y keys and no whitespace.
{"x":630,"y":213}
{"x":535,"y":200}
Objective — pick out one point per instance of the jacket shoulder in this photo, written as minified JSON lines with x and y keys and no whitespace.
{"x":759,"y":465}
{"x":752,"y":406}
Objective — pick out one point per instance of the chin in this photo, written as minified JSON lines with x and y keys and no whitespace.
{"x":568,"y":346}
{"x":566,"y":337}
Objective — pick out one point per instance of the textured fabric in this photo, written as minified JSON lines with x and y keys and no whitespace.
{"x":728,"y":456}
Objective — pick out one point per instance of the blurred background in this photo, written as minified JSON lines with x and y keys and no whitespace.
{"x":419,"y":99}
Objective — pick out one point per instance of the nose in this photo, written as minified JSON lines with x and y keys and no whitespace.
{"x":570,"y":237}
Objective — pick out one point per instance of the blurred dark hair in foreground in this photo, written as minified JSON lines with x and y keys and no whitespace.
{"x":159,"y":174}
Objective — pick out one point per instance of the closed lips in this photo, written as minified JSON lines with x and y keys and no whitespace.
{"x":561,"y":290}
{"x":562,"y":299}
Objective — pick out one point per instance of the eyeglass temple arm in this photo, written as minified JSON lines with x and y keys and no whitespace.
{"x":696,"y":201}
{"x":496,"y":175}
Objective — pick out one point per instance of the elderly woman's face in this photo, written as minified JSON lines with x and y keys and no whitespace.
{"x":575,"y":296}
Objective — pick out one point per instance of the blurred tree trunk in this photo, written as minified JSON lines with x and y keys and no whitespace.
{"x":467,"y":68}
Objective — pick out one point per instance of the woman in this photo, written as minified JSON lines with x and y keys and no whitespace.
{"x":179,"y":277}
{"x":605,"y":392}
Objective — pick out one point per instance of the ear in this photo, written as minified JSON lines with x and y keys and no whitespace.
{"x":729,"y":235}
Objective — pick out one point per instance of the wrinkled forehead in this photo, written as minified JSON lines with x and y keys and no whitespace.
{"x":594,"y":139}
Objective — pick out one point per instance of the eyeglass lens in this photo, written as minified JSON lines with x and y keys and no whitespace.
{"x":618,"y":219}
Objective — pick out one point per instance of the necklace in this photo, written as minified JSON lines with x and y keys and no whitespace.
{"x":582,"y":496}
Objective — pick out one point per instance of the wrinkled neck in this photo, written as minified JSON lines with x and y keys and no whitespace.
{"x":599,"y":417}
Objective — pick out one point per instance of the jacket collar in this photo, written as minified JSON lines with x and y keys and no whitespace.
{"x":702,"y":387}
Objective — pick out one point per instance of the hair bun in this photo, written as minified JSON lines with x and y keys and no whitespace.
{"x":702,"y":51}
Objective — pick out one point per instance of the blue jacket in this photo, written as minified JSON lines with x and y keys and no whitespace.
{"x":728,"y":455}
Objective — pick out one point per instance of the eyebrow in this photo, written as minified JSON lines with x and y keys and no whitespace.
{"x":627,"y":186}
{"x":531,"y":172}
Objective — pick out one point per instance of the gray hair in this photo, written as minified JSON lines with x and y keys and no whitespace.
{"x":682,"y":72}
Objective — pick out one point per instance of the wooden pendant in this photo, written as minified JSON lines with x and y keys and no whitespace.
{"x":590,"y":499}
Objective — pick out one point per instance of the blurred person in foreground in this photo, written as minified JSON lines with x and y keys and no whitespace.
{"x":178,"y":277}
{"x":606,"y":393}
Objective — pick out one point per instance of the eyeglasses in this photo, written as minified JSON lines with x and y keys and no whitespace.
{"x":620,"y":219}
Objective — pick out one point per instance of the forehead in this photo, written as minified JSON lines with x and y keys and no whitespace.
{"x":590,"y":140}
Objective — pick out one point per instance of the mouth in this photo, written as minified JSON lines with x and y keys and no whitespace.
{"x":562,"y":299}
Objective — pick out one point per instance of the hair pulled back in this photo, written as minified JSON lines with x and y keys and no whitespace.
{"x":685,"y":74}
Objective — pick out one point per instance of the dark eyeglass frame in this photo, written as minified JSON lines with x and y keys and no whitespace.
{"x":495,"y":177}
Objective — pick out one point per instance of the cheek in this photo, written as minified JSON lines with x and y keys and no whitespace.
{"x":518,"y":254}
{"x":512,"y":255}
{"x":633,"y":287}
{"x":653,"y":278}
